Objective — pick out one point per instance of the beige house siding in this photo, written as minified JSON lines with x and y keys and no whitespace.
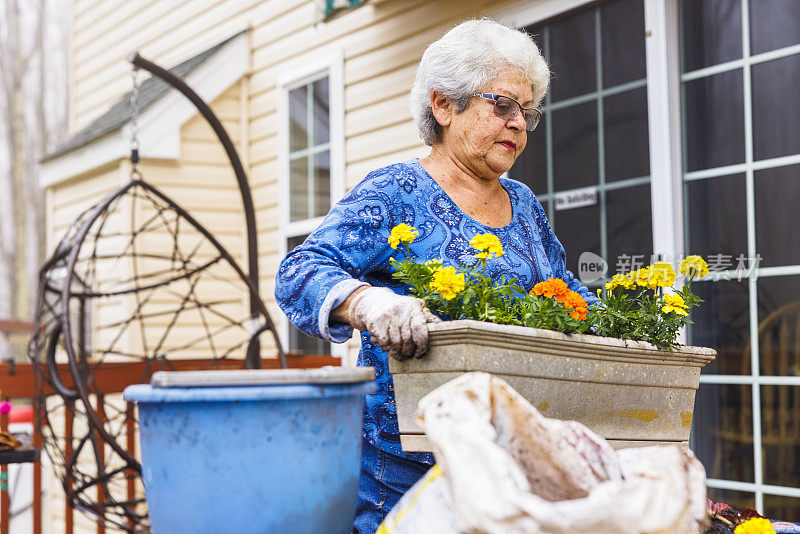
{"x":381,"y":43}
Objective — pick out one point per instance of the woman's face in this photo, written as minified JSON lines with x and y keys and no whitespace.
{"x":483,"y":142}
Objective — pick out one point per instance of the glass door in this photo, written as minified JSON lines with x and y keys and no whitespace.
{"x":740,"y":69}
{"x":589,"y":161}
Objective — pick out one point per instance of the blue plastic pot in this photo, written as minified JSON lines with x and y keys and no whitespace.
{"x":271,"y":451}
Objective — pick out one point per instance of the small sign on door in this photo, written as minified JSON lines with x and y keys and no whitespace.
{"x":576,"y":198}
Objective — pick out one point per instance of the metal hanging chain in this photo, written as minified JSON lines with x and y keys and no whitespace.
{"x":135,"y":174}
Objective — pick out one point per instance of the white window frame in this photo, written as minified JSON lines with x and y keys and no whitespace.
{"x":332,"y":66}
{"x":663,"y":101}
{"x":662,"y":49}
{"x":755,"y":379}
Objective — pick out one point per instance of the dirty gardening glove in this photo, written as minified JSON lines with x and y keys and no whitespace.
{"x":397,"y":323}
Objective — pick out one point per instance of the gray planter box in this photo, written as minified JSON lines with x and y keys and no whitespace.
{"x":629,"y":392}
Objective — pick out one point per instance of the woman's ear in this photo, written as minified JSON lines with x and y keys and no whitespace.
{"x":442,"y":108}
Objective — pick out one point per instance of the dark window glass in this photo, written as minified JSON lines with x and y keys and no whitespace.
{"x":776,"y":108}
{"x":780,"y":434}
{"x":738,"y":500}
{"x":629,"y":227}
{"x":322,"y":183}
{"x":321,"y":115}
{"x":294,"y":242}
{"x":298,"y":119}
{"x":773,"y":24}
{"x":531,"y":166}
{"x":627,"y":150}
{"x":578,"y":229}
{"x":714,"y":120}
{"x":572,"y":56}
{"x":300,"y":343}
{"x":298,"y":191}
{"x":722,"y":322}
{"x":723,"y":431}
{"x":777,"y":197}
{"x":711,"y":32}
{"x":537,"y":33}
{"x":716,"y":220}
{"x":782,"y":508}
{"x":622,"y":32}
{"x":575,"y":146}
{"x":779,"y":325}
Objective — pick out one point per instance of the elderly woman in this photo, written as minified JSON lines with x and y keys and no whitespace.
{"x":474,"y":100}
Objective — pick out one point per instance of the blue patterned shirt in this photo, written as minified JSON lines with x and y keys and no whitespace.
{"x":350,"y":249}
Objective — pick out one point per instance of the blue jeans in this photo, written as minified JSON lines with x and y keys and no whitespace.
{"x":384,"y":479}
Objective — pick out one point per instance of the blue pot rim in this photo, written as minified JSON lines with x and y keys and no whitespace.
{"x":145,"y":393}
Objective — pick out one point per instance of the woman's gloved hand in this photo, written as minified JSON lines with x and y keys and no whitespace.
{"x":397,"y":323}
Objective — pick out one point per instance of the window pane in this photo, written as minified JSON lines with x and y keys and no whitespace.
{"x":300,"y":343}
{"x":777,"y":197}
{"x":723,"y":431}
{"x":780,"y":434}
{"x":572,"y":56}
{"x":722,"y":322}
{"x":321,"y":113}
{"x":296,"y":241}
{"x":322,"y":183}
{"x":714,"y":121}
{"x":711,"y":31}
{"x":630,"y":226}
{"x":776,"y":108}
{"x":626,"y":135}
{"x":622,"y":31}
{"x":537,"y":33}
{"x":738,"y":500}
{"x":531,"y":166}
{"x":773,"y":24}
{"x":298,"y":119}
{"x":298,"y":193}
{"x":716,"y":218}
{"x":578,"y":229}
{"x":575,"y":146}
{"x":779,"y":325}
{"x":782,"y":508}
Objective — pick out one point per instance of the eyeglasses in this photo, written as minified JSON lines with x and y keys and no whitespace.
{"x":507,"y":108}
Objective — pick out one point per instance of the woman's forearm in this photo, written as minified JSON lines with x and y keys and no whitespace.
{"x":339,"y":314}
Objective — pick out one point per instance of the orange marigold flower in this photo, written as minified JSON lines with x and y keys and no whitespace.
{"x":579,"y":314}
{"x":576,"y":303}
{"x":552,"y":287}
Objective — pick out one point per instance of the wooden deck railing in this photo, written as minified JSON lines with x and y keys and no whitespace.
{"x":17,"y":383}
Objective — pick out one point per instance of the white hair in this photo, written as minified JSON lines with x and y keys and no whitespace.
{"x":468,"y":58}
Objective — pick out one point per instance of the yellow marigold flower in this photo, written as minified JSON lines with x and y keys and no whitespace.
{"x":488,"y":245}
{"x":448,"y":282}
{"x":662,"y":274}
{"x":640,"y":277}
{"x":619,"y":280}
{"x":402,"y":233}
{"x":693,"y":266}
{"x":675,"y":304}
{"x":552,"y":287}
{"x":757,"y":525}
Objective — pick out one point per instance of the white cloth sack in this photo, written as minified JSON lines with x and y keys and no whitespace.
{"x":504,"y":468}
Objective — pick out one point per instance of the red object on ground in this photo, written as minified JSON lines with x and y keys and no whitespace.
{"x":21,"y":414}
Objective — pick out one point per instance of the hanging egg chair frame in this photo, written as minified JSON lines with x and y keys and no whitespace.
{"x":256,"y":306}
{"x":63,"y":323}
